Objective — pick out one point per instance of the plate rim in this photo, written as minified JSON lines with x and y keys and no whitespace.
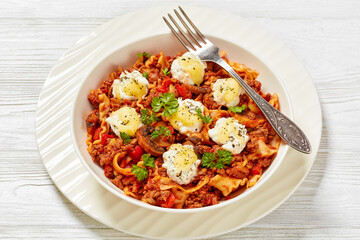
{"x":100,"y":220}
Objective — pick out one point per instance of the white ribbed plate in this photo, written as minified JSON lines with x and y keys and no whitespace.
{"x":71,"y":177}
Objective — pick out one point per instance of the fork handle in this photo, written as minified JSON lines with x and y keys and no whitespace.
{"x":283,"y":126}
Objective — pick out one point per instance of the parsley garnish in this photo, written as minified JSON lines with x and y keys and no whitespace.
{"x":140,"y":173}
{"x":218,"y":160}
{"x":208,"y":160}
{"x":238,"y":109}
{"x":162,"y":130}
{"x":147,"y":160}
{"x":205,"y":119}
{"x":145,"y":75}
{"x":165,"y":71}
{"x":166,"y":100}
{"x":143,"y":54}
{"x":125,"y":137}
{"x":224,"y":156}
{"x":147,"y":118}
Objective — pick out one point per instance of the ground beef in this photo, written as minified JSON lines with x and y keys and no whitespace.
{"x":201,"y":149}
{"x":154,"y":75}
{"x":238,"y":171}
{"x":205,"y":196}
{"x":264,"y":162}
{"x":252,"y":145}
{"x":106,"y":85}
{"x":93,"y":98}
{"x":209,"y":102}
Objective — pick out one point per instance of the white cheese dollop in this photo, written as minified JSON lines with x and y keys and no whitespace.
{"x":181,"y":163}
{"x":229,"y":133}
{"x":130,"y":86}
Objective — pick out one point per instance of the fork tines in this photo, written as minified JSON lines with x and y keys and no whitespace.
{"x":189,"y":39}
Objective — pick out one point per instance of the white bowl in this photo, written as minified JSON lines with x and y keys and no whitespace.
{"x":125,"y":57}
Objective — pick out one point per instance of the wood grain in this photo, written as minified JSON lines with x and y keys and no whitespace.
{"x":325,"y":35}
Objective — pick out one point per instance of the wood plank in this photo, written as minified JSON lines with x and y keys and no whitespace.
{"x":325,"y":35}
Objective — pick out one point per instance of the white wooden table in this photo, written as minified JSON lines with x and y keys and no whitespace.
{"x":325,"y":34}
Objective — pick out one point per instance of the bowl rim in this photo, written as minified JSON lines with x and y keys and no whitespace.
{"x":140,"y":203}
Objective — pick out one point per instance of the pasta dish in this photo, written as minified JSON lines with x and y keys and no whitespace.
{"x":176,"y":132}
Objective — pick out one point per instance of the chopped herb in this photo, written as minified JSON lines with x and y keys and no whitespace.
{"x":147,"y":160}
{"x":218,"y":160}
{"x":208,"y":160}
{"x":140,"y":173}
{"x":225,"y":158}
{"x":143,"y":54}
{"x":165,"y":71}
{"x":145,"y":75}
{"x":238,"y":109}
{"x":162,"y":130}
{"x":125,"y":137}
{"x":147,"y":118}
{"x":156,"y":104}
{"x":166,"y":100}
{"x":205,"y":119}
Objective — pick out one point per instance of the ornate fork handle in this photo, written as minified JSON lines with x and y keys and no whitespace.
{"x":284,"y":127}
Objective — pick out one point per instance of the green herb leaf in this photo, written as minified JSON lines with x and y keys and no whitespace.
{"x":218,"y":160}
{"x":162,"y":130}
{"x":205,"y":119}
{"x":166,"y":100}
{"x":140,"y":173}
{"x":145,"y":75}
{"x":225,"y":158}
{"x":165,"y":71}
{"x":147,"y":160}
{"x":125,"y":137}
{"x":238,"y":109}
{"x":156,"y":104}
{"x":147,"y":118}
{"x":208,"y":160}
{"x":143,"y":54}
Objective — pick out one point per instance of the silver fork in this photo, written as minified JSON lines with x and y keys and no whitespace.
{"x":194,"y":41}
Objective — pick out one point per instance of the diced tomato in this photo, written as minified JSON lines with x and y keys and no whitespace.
{"x":171,"y":129}
{"x":97,"y":134}
{"x":104,"y":90}
{"x":169,"y":201}
{"x":136,"y":153}
{"x":256,"y":169}
{"x":183,"y":92}
{"x":167,"y":81}
{"x":104,"y":137}
{"x":164,"y":86}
